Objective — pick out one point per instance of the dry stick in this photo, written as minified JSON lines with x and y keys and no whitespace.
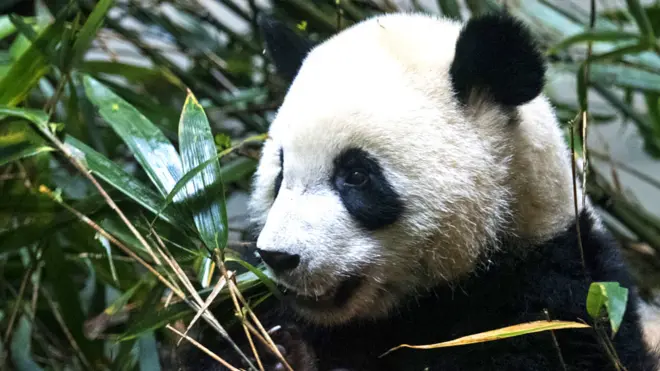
{"x":67,"y":333}
{"x":556,"y":343}
{"x":234,"y":288}
{"x":216,"y":290}
{"x":613,"y":170}
{"x":200,"y":303}
{"x":60,"y":146}
{"x":112,"y":239}
{"x":35,"y":291}
{"x":203,"y":348}
{"x":239,"y":313}
{"x":235,"y":291}
{"x":587,"y":68}
{"x":19,"y":299}
{"x":212,"y":321}
{"x":102,"y":191}
{"x":575,"y":195}
{"x":652,"y":181}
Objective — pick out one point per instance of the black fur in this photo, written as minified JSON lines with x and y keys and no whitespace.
{"x":375,"y":204}
{"x":286,"y":48}
{"x":518,"y":286}
{"x":497,"y":53}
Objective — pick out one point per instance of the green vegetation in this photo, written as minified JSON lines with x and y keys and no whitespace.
{"x":126,"y":126}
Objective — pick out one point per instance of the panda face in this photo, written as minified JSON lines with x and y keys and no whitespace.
{"x":388,"y":167}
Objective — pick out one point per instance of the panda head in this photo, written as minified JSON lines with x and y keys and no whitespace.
{"x":405,"y":147}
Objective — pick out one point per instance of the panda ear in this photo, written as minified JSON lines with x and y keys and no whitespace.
{"x":497,"y":54}
{"x":286,"y":48}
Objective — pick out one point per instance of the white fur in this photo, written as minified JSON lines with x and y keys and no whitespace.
{"x":464,"y":176}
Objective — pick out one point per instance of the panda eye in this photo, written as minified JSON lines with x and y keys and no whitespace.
{"x":356,"y":179}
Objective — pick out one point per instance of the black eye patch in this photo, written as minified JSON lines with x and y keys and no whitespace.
{"x":280,"y":175}
{"x":364,"y":190}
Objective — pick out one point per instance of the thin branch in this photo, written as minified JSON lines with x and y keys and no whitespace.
{"x":65,"y":329}
{"x":203,"y":348}
{"x":43,"y":189}
{"x":652,"y":181}
{"x":232,"y":287}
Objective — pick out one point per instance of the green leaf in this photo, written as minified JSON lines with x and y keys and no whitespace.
{"x":67,"y":298}
{"x":152,"y":300}
{"x":32,"y":65}
{"x":642,"y":20}
{"x":148,"y":359}
{"x":224,"y":172}
{"x":653,"y":106}
{"x":259,"y":273}
{"x":156,"y":319}
{"x":6,"y":27}
{"x":89,"y":30}
{"x":480,"y":7}
{"x":151,"y":148}
{"x":21,"y":346}
{"x":625,"y":76}
{"x":30,"y":32}
{"x":611,"y":297}
{"x":112,"y":174}
{"x":129,"y":71}
{"x":18,"y":140}
{"x":593,"y":36}
{"x":38,"y":117}
{"x":205,"y":192}
{"x":450,"y":9}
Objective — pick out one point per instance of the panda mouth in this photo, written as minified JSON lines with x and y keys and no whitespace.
{"x":333,"y":298}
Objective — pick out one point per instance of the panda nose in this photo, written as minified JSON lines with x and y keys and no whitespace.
{"x":279,"y":261}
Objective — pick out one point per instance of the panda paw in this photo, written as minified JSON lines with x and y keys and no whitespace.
{"x":293,"y":348}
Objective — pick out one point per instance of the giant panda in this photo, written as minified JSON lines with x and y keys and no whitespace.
{"x":416,"y":188}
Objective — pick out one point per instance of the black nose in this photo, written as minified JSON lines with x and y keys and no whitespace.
{"x":279,"y":261}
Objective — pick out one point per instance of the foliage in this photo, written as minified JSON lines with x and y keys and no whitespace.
{"x":126,"y":129}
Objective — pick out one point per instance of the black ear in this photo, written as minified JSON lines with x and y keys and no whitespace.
{"x":286,"y":48}
{"x":498,"y":54}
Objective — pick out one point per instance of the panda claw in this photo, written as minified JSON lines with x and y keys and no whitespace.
{"x":274,"y":329}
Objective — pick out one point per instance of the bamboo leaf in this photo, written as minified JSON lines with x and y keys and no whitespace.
{"x":149,"y":359}
{"x":31,"y":66}
{"x":205,"y":192}
{"x":89,"y":30}
{"x":6,"y":27}
{"x":112,"y":174}
{"x":593,"y":36}
{"x":155,"y":320}
{"x":38,"y":117}
{"x":18,"y":140}
{"x":151,"y":300}
{"x":642,"y":20}
{"x":102,"y":167}
{"x":67,"y":298}
{"x":190,"y":174}
{"x":129,"y":71}
{"x":259,"y":273}
{"x":21,"y":347}
{"x":19,"y":151}
{"x":625,"y":76}
{"x":608,"y":296}
{"x":151,"y":148}
{"x":653,"y":104}
{"x":502,"y":333}
{"x":450,"y":8}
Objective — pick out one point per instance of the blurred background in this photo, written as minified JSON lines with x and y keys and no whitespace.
{"x":71,"y":298}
